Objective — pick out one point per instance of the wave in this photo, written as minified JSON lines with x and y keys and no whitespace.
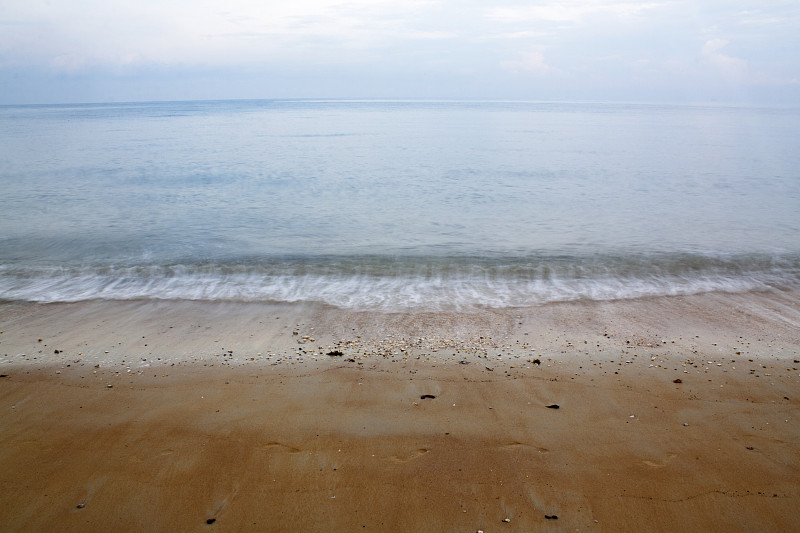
{"x":399,"y":284}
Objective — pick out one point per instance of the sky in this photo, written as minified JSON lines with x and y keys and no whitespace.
{"x":698,"y":51}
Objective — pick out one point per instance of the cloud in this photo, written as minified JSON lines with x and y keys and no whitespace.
{"x":569,"y":11}
{"x":530,"y":62}
{"x":430,"y":47}
{"x":88,"y":33}
{"x":729,"y":66}
{"x":525,"y":34}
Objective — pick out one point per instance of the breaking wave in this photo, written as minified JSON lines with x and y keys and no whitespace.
{"x":402,"y":284}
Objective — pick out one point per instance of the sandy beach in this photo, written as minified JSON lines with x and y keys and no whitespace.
{"x":661,"y":414}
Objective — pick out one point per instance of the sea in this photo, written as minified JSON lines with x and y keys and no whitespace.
{"x":396,"y":205}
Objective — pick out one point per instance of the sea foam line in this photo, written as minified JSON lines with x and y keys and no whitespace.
{"x":460,"y":289}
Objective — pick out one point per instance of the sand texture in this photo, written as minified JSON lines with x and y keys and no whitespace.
{"x":673,"y":414}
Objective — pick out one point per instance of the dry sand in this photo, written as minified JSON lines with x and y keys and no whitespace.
{"x":192,"y":416}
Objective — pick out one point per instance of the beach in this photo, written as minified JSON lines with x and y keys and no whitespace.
{"x":399,"y":315}
{"x":670,"y":413}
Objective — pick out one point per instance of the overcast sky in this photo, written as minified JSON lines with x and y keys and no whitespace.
{"x":653,"y":51}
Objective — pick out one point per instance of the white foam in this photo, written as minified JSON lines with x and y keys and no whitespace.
{"x":420,"y":287}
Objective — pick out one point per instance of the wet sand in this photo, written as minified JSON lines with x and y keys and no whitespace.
{"x":199,"y":416}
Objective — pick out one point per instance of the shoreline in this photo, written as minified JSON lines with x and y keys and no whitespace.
{"x":158,"y":415}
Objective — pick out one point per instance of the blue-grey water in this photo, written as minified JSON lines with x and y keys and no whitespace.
{"x":394,"y":205}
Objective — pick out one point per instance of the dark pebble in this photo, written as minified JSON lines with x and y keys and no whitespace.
{"x":3,"y":375}
{"x":679,"y":380}
{"x":211,"y":520}
{"x":80,"y":506}
{"x":335,"y":353}
{"x":427,"y":397}
{"x":551,"y":517}
{"x":537,"y":362}
{"x":553,"y":406}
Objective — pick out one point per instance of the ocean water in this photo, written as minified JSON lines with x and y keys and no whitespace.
{"x":396,"y":205}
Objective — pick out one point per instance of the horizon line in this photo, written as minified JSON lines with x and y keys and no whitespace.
{"x":412,"y":99}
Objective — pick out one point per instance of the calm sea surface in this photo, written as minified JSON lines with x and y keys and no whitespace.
{"x":393,"y":205}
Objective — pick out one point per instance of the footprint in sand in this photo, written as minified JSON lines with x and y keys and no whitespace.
{"x":135,"y":459}
{"x":404,"y":458}
{"x":222,"y":503}
{"x":278,"y":447}
{"x":522,"y":446}
{"x":752,"y":438}
{"x":662,"y":464}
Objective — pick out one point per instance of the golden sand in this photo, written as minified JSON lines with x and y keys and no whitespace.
{"x":674,"y":414}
